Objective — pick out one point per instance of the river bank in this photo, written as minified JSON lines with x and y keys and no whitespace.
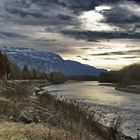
{"x":134,"y":89}
{"x":107,"y":103}
{"x":26,"y":114}
{"x":42,"y":110}
{"x":74,"y":111}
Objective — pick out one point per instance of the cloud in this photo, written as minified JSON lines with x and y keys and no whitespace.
{"x":11,"y":35}
{"x":61,"y":14}
{"x":37,"y":12}
{"x":131,"y":57}
{"x":119,"y":15}
{"x":94,"y":35}
{"x":124,"y":15}
{"x":40,"y":13}
{"x":130,"y":52}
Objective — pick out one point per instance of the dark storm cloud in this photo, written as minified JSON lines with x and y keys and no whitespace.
{"x":44,"y":39}
{"x":85,"y":59}
{"x":123,"y":15}
{"x":110,"y":53}
{"x":94,"y":35}
{"x":59,"y":15}
{"x":65,"y":13}
{"x":43,"y":12}
{"x":119,"y":15}
{"x":130,"y":52}
{"x":12,"y":35}
{"x":37,"y":12}
{"x":131,"y":57}
{"x":122,"y":57}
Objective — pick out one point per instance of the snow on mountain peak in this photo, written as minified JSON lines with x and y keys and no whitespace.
{"x":47,"y":61}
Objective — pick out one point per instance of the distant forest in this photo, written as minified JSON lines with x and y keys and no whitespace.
{"x":127,"y":75}
{"x":10,"y":70}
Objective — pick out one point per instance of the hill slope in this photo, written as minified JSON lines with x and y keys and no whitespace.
{"x":48,"y":62}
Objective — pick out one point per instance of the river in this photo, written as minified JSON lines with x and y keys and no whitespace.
{"x":106,"y":101}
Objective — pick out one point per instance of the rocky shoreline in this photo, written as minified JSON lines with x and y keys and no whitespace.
{"x":134,"y":89}
{"x":110,"y":133}
{"x":29,"y":113}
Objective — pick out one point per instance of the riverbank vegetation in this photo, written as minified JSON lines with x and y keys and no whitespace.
{"x":80,"y":120}
{"x":27,"y":115}
{"x":11,"y":71}
{"x":129,"y":75}
{"x":126,"y":76}
{"x":34,"y":116}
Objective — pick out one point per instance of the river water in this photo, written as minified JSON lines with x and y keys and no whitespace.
{"x":106,"y":101}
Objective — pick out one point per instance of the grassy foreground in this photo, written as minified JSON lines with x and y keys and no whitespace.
{"x":24,"y":116}
{"x":19,"y":131}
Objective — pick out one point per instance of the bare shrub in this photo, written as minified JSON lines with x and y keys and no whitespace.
{"x":39,"y":132}
{"x":6,"y":107}
{"x":74,"y":114}
{"x":17,"y":92}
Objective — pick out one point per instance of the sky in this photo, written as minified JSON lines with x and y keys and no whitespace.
{"x":100,"y":33}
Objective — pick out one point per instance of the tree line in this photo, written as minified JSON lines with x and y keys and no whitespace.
{"x":10,"y":70}
{"x":4,"y":65}
{"x":25,"y":73}
{"x":127,"y":75}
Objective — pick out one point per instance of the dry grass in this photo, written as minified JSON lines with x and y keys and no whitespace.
{"x":17,"y":131}
{"x":10,"y":131}
{"x":73,"y":114}
{"x":11,"y":98}
{"x":39,"y":132}
{"x":6,"y":106}
{"x":17,"y":92}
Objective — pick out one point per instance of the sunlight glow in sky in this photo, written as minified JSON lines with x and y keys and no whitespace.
{"x":91,"y":21}
{"x":106,"y":35}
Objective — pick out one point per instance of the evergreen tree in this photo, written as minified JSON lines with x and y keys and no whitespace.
{"x":34,"y":74}
{"x":15,"y":71}
{"x":26,"y":73}
{"x":4,"y":65}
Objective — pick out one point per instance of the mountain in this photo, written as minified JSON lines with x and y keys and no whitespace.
{"x":48,"y":62}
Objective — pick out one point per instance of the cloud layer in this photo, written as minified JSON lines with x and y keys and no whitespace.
{"x":66,"y":26}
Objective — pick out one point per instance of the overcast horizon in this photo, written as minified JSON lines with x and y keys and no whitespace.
{"x":104,"y":34}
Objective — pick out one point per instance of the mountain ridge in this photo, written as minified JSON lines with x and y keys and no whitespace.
{"x":48,"y":62}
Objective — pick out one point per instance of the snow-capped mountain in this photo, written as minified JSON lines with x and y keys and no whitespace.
{"x":47,"y":62}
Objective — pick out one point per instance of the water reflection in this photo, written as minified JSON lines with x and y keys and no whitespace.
{"x":98,"y":94}
{"x":106,"y":101}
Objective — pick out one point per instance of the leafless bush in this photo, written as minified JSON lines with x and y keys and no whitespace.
{"x":16,"y":92}
{"x":6,"y":107}
{"x":72,"y":112}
